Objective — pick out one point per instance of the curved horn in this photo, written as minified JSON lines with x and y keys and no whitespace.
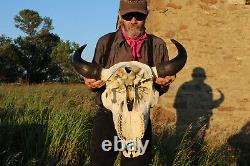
{"x":86,"y":69}
{"x":175,"y":65}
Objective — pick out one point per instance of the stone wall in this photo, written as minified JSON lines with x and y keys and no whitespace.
{"x":215,"y":81}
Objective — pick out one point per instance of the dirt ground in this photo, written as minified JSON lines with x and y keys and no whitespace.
{"x":215,"y":83}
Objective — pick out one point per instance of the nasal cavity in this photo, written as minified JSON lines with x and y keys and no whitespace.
{"x":128,"y":69}
{"x":130,"y":104}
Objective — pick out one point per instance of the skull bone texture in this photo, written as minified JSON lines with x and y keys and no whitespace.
{"x":130,"y":92}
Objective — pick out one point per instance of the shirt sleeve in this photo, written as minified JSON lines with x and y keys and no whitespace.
{"x":99,"y":53}
{"x":98,"y":59}
{"x":162,"y":54}
{"x":160,"y":51}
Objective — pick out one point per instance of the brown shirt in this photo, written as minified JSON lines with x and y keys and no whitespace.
{"x":153,"y":51}
{"x":120,"y":50}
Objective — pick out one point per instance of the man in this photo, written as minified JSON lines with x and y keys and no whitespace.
{"x":129,"y":43}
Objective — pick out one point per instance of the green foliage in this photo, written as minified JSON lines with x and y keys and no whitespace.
{"x":35,"y":55}
{"x":45,"y":125}
{"x":38,"y":57}
{"x":47,"y":26}
{"x":10,"y":69}
{"x":29,"y":21}
{"x":61,"y":56}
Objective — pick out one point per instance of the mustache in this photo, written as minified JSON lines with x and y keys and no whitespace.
{"x":134,"y":30}
{"x":132,"y":25}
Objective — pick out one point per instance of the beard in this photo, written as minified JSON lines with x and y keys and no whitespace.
{"x":133,"y":30}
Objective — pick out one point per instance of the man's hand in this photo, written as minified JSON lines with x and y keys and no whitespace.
{"x":92,"y":83}
{"x":165,"y":81}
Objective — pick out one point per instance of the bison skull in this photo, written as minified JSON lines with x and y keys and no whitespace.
{"x":129,"y":92}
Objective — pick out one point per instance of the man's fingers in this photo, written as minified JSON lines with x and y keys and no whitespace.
{"x":89,"y":84}
{"x":100,"y":85}
{"x":98,"y":82}
{"x":162,"y":80}
{"x":90,"y":80}
{"x":165,"y":81}
{"x":173,"y":77}
{"x":95,"y":84}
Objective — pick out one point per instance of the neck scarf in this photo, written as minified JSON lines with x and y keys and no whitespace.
{"x":135,"y":43}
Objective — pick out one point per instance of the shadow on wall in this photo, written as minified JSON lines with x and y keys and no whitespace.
{"x":241,"y":143}
{"x":194,"y":106}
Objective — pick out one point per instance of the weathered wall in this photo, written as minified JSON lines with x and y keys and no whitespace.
{"x":216,"y":36}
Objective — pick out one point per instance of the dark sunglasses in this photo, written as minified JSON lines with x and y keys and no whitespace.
{"x":137,"y":16}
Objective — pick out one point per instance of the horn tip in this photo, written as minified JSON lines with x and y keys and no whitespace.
{"x":85,"y":45}
{"x":174,"y":41}
{"x":80,"y":49}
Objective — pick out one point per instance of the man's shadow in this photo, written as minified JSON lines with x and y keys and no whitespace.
{"x":194,"y":106}
{"x":241,"y":143}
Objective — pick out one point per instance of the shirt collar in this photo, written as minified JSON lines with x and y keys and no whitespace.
{"x":119,"y":39}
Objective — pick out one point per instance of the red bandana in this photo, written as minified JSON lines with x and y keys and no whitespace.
{"x":135,"y":43}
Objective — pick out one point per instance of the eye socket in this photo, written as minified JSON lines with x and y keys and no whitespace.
{"x":143,"y":83}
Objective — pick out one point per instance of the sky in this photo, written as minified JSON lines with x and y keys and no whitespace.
{"x":80,"y":21}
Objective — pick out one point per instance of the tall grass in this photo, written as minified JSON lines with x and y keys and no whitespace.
{"x":45,"y":125}
{"x":172,"y":150}
{"x":51,"y":125}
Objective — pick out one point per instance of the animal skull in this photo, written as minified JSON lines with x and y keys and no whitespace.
{"x":130,"y":95}
{"x":129,"y":92}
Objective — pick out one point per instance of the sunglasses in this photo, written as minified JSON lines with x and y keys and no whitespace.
{"x":137,"y":16}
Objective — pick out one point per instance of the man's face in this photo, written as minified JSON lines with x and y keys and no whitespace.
{"x":133,"y":23}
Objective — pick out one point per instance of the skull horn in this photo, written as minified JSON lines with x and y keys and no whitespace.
{"x":86,"y":69}
{"x":175,"y":65}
